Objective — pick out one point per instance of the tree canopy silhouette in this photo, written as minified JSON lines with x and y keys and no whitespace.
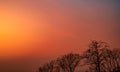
{"x":69,"y":62}
{"x":99,"y":58}
{"x":95,"y":53}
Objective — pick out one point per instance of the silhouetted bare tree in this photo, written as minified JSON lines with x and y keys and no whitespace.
{"x":111,"y":61}
{"x":69,"y":62}
{"x":49,"y":67}
{"x":94,"y":55}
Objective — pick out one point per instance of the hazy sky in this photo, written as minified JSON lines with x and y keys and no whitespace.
{"x":35,"y":31}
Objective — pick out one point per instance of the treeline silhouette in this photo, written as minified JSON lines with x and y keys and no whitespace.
{"x":98,"y":58}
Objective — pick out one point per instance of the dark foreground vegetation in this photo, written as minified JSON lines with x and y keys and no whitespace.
{"x":98,"y":58}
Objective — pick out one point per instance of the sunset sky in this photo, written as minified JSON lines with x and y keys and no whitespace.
{"x":35,"y":31}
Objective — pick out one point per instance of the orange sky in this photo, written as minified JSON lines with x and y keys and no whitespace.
{"x":47,"y":29}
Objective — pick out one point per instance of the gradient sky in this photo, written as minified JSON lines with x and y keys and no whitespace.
{"x":35,"y":31}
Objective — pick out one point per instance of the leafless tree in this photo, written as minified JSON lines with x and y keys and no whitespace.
{"x":94,"y":55}
{"x":111,"y":62}
{"x":69,"y":62}
{"x":49,"y":67}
